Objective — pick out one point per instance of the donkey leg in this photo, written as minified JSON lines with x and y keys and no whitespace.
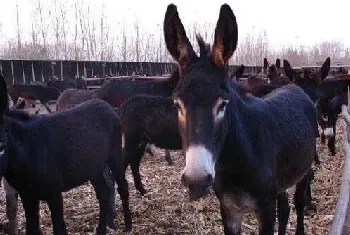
{"x":331,"y":145}
{"x":300,"y":199}
{"x":133,"y":155}
{"x":231,"y":216}
{"x":135,"y":169}
{"x":47,"y":107}
{"x":331,"y":142}
{"x":283,"y":210}
{"x":103,"y":195}
{"x":231,"y":220}
{"x":116,"y":164}
{"x":148,"y":150}
{"x":123,"y":190}
{"x":111,"y":205}
{"x":56,"y":207}
{"x":323,"y":137}
{"x":317,"y":159}
{"x":11,"y":208}
{"x":168,"y":157}
{"x":267,"y":215}
{"x":31,"y":208}
{"x":37,"y":111}
{"x":309,"y":206}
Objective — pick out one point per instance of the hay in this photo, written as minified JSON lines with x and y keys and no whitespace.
{"x":167,"y":210}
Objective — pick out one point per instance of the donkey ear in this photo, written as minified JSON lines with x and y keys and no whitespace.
{"x":266,"y":64}
{"x":288,"y":70}
{"x":176,"y":40}
{"x":278,"y":63}
{"x":325,"y":68}
{"x":3,"y":96}
{"x":226,"y":36}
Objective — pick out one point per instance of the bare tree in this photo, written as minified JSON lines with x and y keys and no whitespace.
{"x":63,"y":15}
{"x":137,"y":39}
{"x":43,"y":27}
{"x":19,"y":41}
{"x":57,"y":26}
{"x":124,"y":44}
{"x":92,"y":37}
{"x":62,"y":29}
{"x":76,"y":31}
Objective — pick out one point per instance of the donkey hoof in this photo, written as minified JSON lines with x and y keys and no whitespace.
{"x":317,"y":162}
{"x":170,"y":162}
{"x":310,"y":209}
{"x":100,"y":231}
{"x":111,"y":225}
{"x":143,"y":192}
{"x":127,"y":228}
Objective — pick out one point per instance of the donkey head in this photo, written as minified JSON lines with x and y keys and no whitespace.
{"x":332,"y":94}
{"x":201,"y":95}
{"x":238,"y":73}
{"x":309,"y":80}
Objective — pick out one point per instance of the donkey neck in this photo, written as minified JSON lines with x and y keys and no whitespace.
{"x":249,"y":126}
{"x":23,"y":137}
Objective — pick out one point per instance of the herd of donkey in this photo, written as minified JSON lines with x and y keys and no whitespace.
{"x":247,"y":139}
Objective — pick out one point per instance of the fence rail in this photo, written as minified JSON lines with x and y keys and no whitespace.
{"x":341,"y":219}
{"x":26,"y":71}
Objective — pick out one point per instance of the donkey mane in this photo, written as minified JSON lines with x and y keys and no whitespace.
{"x":204,"y":48}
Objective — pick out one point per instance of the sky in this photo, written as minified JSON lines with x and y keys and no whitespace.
{"x":286,"y":22}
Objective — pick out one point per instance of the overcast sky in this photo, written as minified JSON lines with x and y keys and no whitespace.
{"x":286,"y":22}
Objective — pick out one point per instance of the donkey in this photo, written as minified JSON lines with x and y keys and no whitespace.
{"x":115,"y":92}
{"x":309,"y":81}
{"x":72,"y":97}
{"x":34,"y":92}
{"x":60,"y":85}
{"x":147,"y":119}
{"x":332,"y":94}
{"x":238,"y":73}
{"x":270,"y":80}
{"x":275,"y":75}
{"x":250,"y":149}
{"x":39,"y":160}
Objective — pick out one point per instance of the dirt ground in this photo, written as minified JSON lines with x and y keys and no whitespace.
{"x":167,"y":210}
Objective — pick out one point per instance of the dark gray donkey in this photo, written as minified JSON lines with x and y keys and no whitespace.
{"x":45,"y":155}
{"x":250,"y":149}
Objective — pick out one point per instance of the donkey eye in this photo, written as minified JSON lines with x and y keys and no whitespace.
{"x":178,"y":106}
{"x":222,"y":106}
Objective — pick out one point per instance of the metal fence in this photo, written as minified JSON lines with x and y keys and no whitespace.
{"x":26,"y":71}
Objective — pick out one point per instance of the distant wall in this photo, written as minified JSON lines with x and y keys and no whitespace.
{"x":26,"y":71}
